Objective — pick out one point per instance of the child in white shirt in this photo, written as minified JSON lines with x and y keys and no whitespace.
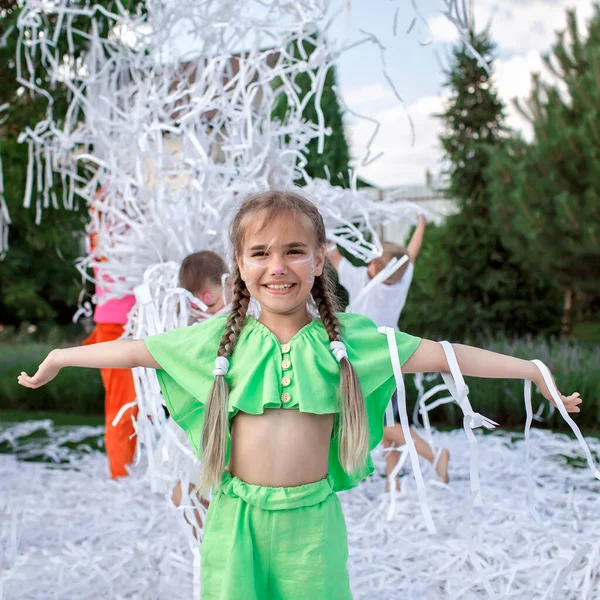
{"x":383,"y":304}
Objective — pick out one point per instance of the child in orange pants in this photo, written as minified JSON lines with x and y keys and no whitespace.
{"x":119,"y":438}
{"x":110,"y":317}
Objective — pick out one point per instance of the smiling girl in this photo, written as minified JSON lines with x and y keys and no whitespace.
{"x":287,"y":413}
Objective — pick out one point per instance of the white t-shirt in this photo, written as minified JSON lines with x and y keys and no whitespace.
{"x":382,"y":303}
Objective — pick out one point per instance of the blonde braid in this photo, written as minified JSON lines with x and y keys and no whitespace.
{"x":353,"y":431}
{"x":214,"y":434}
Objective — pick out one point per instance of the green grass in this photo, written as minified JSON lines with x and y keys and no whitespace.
{"x":59,"y":419}
{"x":33,"y":447}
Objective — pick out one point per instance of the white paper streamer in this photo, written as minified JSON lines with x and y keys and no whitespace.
{"x":4,"y":215}
{"x":412,"y":451}
{"x":174,"y":142}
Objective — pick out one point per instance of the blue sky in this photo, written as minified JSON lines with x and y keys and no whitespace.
{"x":523,"y":30}
{"x":413,"y":67}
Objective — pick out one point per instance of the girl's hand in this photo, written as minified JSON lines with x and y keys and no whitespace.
{"x":46,"y":372}
{"x":571,"y":402}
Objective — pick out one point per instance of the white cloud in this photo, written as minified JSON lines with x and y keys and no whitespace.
{"x":512,"y":79}
{"x":517,"y":25}
{"x":366,"y":95}
{"x":401,"y":162}
{"x":443,"y":30}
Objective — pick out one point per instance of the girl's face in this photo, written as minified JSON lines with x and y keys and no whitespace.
{"x":279,"y":262}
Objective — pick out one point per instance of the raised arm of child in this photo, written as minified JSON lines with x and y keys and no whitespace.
{"x":120,"y":354}
{"x":416,"y":241}
{"x":429,"y":357}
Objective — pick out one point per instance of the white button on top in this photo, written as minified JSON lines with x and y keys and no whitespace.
{"x":286,"y":364}
{"x":285,"y":397}
{"x":285,"y":381}
{"x":285,"y":348}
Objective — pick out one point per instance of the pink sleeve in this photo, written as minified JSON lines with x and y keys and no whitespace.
{"x":112,"y":311}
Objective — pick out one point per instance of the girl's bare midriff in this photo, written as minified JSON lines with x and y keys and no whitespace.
{"x":280,"y":448}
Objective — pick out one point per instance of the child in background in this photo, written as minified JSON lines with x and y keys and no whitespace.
{"x":284,"y":410}
{"x":201,"y":274}
{"x":383,"y":304}
{"x":119,"y":390}
{"x":384,"y":301}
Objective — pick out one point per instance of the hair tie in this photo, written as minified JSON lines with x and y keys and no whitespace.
{"x":221,"y":366}
{"x":339,"y":350}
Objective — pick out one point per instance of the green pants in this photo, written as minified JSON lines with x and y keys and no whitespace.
{"x":264,"y":543}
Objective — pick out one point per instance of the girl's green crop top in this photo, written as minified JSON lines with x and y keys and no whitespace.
{"x":302,"y":374}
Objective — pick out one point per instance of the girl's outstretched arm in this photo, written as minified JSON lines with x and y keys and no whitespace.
{"x":429,"y":357}
{"x":119,"y":354}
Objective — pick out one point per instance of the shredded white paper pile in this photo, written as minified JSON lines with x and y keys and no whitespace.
{"x":175,"y":139}
{"x":68,"y":531}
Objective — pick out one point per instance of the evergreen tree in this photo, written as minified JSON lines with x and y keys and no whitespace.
{"x":548,"y":192}
{"x":468,"y":283}
{"x":336,"y":155}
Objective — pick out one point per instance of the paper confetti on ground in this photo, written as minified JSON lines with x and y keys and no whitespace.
{"x":67,"y":531}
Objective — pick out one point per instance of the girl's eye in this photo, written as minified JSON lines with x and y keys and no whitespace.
{"x":296,"y":252}
{"x":255,"y":254}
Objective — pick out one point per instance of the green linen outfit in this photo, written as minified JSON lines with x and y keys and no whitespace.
{"x":277,"y":543}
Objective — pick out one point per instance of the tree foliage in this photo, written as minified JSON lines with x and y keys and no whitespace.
{"x":468,"y":283}
{"x":547,"y":193}
{"x":333,"y":163}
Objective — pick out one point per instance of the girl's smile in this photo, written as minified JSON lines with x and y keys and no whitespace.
{"x":279,"y":288}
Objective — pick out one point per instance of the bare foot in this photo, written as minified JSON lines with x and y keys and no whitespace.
{"x":441,"y":467}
